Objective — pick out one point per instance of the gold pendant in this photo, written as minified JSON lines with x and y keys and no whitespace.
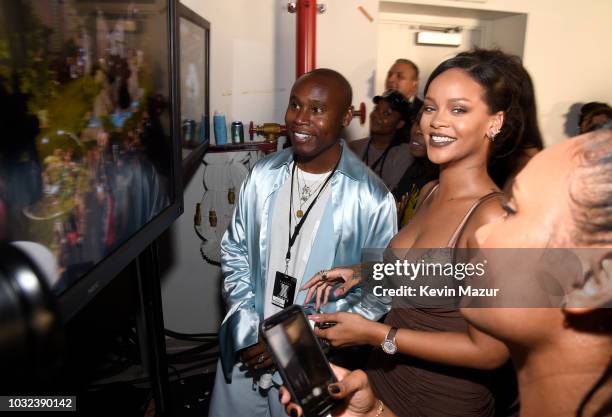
{"x":299,"y":214}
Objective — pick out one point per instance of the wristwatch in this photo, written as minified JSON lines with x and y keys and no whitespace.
{"x":388,"y":345}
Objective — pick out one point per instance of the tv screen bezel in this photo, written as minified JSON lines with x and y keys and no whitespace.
{"x":194,"y":155}
{"x":77,"y":296}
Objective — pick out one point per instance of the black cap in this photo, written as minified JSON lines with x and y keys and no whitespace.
{"x":397,"y":102}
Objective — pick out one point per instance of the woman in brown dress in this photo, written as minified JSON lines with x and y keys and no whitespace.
{"x":563,"y":357}
{"x":472,"y":111}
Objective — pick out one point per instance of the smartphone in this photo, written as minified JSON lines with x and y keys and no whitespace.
{"x":300,"y":360}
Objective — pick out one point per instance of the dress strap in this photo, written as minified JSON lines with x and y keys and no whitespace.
{"x":429,"y":193}
{"x":455,"y":237}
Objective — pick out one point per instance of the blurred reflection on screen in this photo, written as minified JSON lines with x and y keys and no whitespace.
{"x":85,"y":154}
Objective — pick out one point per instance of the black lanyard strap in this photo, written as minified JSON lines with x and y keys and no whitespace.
{"x":298,"y":227}
{"x":381,"y":159}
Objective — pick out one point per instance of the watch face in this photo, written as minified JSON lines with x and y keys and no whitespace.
{"x":389,"y":347}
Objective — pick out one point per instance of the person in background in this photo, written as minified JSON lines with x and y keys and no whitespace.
{"x":309,"y":207}
{"x":585,"y":110}
{"x":594,"y":119}
{"x":420,"y":172}
{"x":385,"y":151}
{"x":403,"y":76}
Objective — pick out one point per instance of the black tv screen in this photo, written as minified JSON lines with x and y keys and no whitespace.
{"x":89,"y":155}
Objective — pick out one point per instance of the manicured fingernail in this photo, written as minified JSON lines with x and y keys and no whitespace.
{"x":313,"y":317}
{"x":334,"y":389}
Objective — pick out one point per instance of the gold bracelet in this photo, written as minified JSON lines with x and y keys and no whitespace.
{"x":381,"y":409}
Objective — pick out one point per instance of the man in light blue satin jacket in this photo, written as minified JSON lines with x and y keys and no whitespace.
{"x":311,"y":207}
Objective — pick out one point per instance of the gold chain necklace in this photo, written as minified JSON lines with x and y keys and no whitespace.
{"x":305,"y":192}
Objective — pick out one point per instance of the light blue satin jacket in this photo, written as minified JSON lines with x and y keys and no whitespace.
{"x":361,"y":213}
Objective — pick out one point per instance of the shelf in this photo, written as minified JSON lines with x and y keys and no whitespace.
{"x":266,"y":147}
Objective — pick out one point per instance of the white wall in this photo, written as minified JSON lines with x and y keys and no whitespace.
{"x":508,"y":34}
{"x":563,"y":52}
{"x":191,"y":288}
{"x":347,"y":42}
{"x":252,"y":57}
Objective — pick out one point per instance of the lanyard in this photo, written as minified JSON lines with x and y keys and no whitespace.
{"x":296,"y":231}
{"x":381,"y":159}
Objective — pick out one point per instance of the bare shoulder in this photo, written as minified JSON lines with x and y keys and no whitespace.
{"x":488,"y":211}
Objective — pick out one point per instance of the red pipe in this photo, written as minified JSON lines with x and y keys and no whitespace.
{"x":306,"y":36}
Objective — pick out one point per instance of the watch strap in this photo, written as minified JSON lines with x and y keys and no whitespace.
{"x":391,"y":334}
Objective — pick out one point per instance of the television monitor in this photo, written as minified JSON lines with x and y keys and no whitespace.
{"x":90,"y":158}
{"x":194,"y":81}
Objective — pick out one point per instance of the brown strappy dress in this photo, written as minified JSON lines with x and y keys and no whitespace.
{"x":412,"y":387}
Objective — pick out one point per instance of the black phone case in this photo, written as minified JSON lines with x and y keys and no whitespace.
{"x":278,"y":318}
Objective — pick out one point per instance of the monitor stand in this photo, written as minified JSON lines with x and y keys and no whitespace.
{"x":150,"y":326}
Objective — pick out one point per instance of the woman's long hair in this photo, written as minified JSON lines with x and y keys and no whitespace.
{"x":508,"y":88}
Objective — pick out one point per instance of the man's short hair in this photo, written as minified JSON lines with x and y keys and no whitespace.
{"x":408,"y":62}
{"x":344,"y":87}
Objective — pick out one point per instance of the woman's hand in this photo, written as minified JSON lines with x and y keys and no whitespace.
{"x":350,"y":329}
{"x":352,"y":387}
{"x":324,"y":281}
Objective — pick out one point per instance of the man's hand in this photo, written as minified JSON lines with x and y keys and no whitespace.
{"x":256,"y":357}
{"x":340,"y":280}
